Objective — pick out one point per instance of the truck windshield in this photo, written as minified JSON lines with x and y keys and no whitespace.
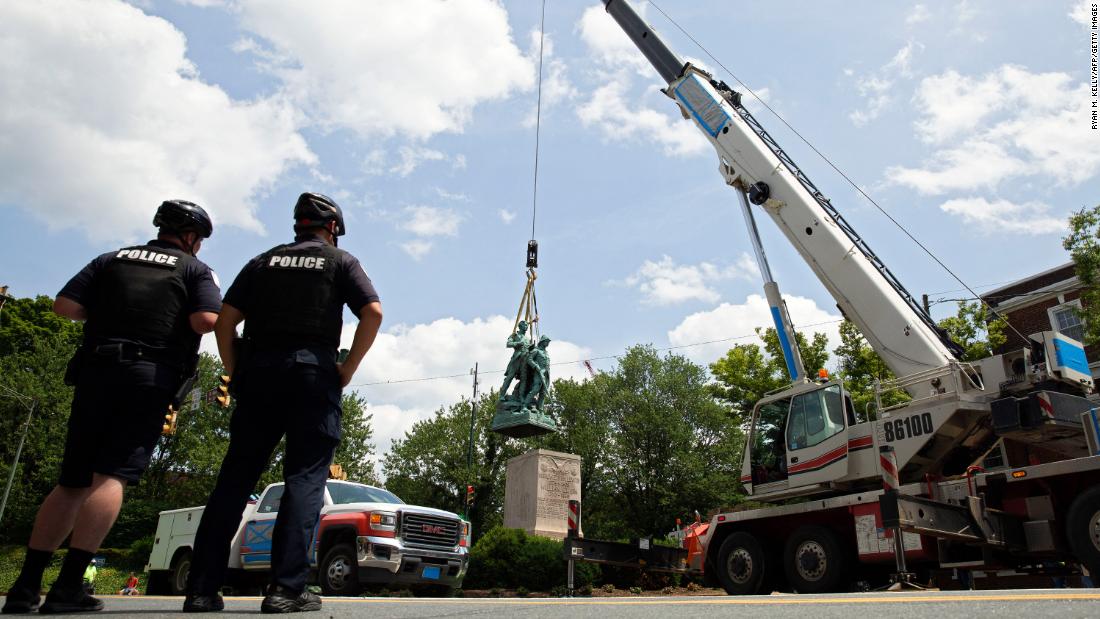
{"x":355,"y":493}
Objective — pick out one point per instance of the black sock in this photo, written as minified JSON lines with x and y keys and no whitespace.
{"x":71,"y":577}
{"x":34,"y":565}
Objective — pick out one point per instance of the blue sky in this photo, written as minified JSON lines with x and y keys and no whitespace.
{"x":967,"y":121}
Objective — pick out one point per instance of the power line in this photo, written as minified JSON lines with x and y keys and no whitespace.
{"x":603,"y":358}
{"x":832,"y":165}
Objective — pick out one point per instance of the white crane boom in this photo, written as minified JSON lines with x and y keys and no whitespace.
{"x":868,"y":294}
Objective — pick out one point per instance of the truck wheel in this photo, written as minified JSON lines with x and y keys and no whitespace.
{"x":181,"y":568}
{"x":339,"y":571}
{"x":741,"y":564}
{"x":1083,"y":530}
{"x":157,"y":584}
{"x":814,"y":560}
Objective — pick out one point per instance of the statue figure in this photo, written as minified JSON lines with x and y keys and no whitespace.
{"x":520,"y":345}
{"x":520,"y":413}
{"x":538,"y":364}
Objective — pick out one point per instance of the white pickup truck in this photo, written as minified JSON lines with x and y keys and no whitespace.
{"x":365,"y":535}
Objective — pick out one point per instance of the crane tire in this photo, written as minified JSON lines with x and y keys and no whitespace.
{"x":1083,"y":530}
{"x":814,"y":560}
{"x":742,"y":565}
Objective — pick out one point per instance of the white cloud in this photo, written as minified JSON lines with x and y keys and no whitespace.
{"x":409,"y":67}
{"x":666,"y":283}
{"x":105,"y":117}
{"x":730,"y":320}
{"x":556,"y":86}
{"x":417,"y":248}
{"x":609,"y":44}
{"x":447,"y":195}
{"x":428,"y":221}
{"x":973,"y":164}
{"x":610,"y":112}
{"x":444,"y":347}
{"x":411,"y":158}
{"x":506,"y":216}
{"x":1082,"y":12}
{"x":877,"y":88}
{"x":918,"y":14}
{"x":613,"y":109}
{"x":1002,"y":216}
{"x":1005,"y":124}
{"x":407,"y":160}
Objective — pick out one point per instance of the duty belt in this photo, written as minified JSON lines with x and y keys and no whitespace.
{"x":123,"y":351}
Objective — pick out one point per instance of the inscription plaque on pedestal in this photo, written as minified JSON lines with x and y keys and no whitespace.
{"x":537,"y":491}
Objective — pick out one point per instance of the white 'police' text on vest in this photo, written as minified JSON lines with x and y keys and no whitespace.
{"x":297,"y":262}
{"x":144,"y":255}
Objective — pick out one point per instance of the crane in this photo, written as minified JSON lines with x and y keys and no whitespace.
{"x":1022,"y":411}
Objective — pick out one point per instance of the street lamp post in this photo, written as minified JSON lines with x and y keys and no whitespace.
{"x":18,"y":453}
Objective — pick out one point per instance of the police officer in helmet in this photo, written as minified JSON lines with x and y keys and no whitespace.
{"x":288,"y":382}
{"x":144,"y":310}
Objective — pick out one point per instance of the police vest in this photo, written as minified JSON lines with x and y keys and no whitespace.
{"x":294,"y":300}
{"x":141,"y":296}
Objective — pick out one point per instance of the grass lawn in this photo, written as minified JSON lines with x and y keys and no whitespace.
{"x":109,"y":579}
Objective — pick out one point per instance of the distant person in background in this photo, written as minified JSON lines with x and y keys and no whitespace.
{"x":131,"y":587}
{"x":144,"y":309}
{"x":89,"y":578}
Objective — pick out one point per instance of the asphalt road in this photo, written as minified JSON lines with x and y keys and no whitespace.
{"x":1033,"y":603}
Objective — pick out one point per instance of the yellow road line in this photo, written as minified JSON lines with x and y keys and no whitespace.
{"x":707,"y":600}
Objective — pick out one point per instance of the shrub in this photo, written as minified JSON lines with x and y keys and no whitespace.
{"x":141,"y":548}
{"x":510,"y":558}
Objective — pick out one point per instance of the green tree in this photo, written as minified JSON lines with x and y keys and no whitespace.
{"x":23,"y":322}
{"x":859,"y":366}
{"x":973,"y":328}
{"x":356,"y":443}
{"x":35,"y":372}
{"x":1083,"y":245}
{"x":429,"y":465}
{"x":671,"y":448}
{"x":746,"y":372}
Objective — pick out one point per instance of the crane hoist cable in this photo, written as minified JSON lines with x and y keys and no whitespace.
{"x":528,"y":304}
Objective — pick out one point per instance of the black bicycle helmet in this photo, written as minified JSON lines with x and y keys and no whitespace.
{"x":183,"y":216}
{"x":314,"y":210}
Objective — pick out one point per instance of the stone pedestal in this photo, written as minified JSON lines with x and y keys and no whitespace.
{"x":537,"y":491}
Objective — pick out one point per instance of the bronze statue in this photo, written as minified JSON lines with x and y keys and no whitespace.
{"x":520,"y":346}
{"x":521,"y":413}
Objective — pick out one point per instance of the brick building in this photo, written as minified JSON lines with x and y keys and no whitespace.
{"x":1043,"y":302}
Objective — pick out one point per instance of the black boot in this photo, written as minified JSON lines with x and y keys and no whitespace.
{"x":20,"y":600}
{"x":280,"y":600}
{"x":60,"y":601}
{"x":203,"y":603}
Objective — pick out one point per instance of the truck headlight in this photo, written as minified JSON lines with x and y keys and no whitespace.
{"x":383,"y":520}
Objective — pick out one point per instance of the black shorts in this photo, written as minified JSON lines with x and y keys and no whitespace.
{"x":113,"y":427}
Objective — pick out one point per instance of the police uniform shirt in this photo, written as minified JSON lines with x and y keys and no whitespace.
{"x":353,"y":287}
{"x":203,"y":292}
{"x":200,"y":283}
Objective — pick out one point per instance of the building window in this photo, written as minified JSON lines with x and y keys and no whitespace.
{"x":1064,"y":319}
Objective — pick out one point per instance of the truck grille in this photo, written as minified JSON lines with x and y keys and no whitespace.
{"x":429,"y":531}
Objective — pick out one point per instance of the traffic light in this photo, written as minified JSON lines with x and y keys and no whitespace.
{"x":169,"y":427}
{"x":469,"y":496}
{"x":223,"y":392}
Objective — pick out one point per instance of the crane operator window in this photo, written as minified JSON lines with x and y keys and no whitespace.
{"x":769,"y":455}
{"x":815,"y":416}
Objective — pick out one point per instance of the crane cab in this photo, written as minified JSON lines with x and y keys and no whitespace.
{"x":798,"y":440}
